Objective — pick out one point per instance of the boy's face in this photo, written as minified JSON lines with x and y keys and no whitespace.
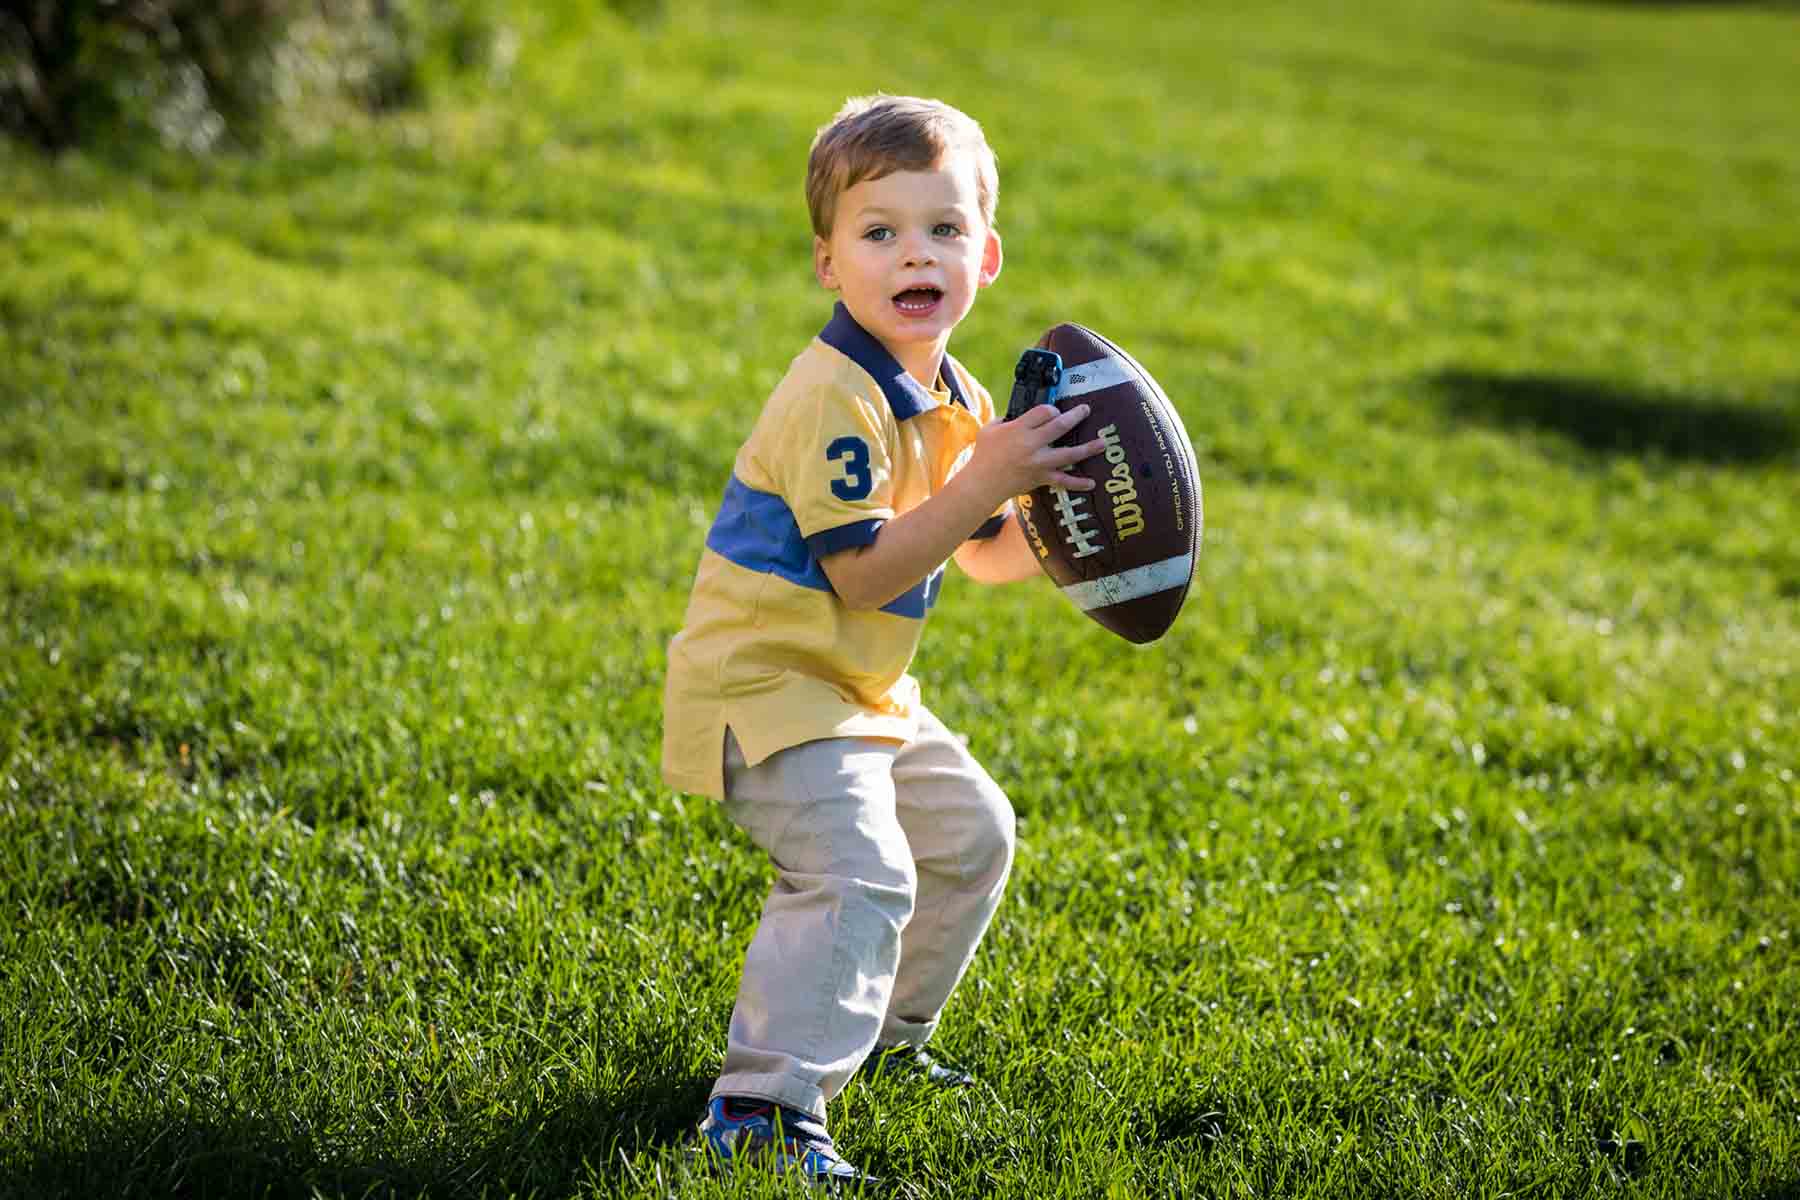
{"x":907,"y":253}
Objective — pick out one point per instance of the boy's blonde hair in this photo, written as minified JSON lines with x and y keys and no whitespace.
{"x":873,"y":136}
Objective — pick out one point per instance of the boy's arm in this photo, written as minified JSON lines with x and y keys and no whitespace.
{"x":1007,"y":557}
{"x":1010,"y":459}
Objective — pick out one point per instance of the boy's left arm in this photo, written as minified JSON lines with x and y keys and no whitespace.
{"x":1004,"y":558}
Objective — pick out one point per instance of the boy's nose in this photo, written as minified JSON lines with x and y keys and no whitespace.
{"x":919,"y":252}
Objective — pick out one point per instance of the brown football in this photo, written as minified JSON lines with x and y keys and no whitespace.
{"x":1123,"y":553}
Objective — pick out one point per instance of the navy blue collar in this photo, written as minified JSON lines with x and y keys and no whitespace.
{"x":905,"y":395}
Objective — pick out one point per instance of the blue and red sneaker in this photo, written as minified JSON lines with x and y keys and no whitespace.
{"x":744,"y":1129}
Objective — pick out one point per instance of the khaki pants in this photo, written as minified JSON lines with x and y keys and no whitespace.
{"x":892,"y":859}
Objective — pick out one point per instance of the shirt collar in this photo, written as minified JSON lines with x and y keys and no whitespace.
{"x":905,"y":395}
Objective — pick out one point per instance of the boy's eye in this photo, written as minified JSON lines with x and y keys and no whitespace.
{"x":879,"y":233}
{"x":945,"y":229}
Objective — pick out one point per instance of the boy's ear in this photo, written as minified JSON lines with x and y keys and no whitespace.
{"x":991,"y":258}
{"x":823,"y":268}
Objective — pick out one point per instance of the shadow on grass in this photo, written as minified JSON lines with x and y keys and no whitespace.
{"x":1605,"y":418}
{"x":1188,"y":1122}
{"x":547,"y":1150}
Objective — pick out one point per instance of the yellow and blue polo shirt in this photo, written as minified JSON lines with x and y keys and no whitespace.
{"x":847,"y":441}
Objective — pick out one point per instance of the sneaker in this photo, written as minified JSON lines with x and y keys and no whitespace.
{"x":743,"y":1129}
{"x":906,"y":1062}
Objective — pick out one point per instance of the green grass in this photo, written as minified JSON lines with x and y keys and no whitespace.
{"x":1447,"y":847}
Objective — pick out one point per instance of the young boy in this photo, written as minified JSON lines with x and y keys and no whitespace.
{"x":876,"y":458}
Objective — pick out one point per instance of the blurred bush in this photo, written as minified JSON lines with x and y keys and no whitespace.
{"x":199,"y":73}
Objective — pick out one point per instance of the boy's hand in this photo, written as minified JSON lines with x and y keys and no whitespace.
{"x":1010,"y":459}
{"x":1015,"y":457}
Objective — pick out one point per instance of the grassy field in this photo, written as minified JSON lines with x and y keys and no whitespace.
{"x":1447,"y":847}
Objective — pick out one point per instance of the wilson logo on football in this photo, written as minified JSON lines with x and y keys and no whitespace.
{"x":1128,"y":515}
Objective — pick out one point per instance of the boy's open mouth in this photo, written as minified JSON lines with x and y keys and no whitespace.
{"x":918,"y":300}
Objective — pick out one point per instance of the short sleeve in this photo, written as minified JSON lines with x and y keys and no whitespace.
{"x":837,"y":468}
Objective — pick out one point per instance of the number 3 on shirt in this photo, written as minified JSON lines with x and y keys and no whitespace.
{"x":857,"y":482}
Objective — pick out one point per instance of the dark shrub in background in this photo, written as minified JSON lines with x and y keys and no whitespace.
{"x":199,"y":73}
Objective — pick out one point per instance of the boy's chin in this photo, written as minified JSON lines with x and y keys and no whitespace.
{"x":900,"y":341}
{"x":892,"y":325}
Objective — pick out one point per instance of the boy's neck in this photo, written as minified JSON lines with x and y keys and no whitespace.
{"x":924,"y":363}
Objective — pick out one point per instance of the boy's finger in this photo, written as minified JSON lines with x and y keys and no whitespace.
{"x":1072,"y":483}
{"x":1070,"y":455}
{"x":1046,"y":416}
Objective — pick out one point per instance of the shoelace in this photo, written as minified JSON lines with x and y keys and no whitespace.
{"x":804,"y":1129}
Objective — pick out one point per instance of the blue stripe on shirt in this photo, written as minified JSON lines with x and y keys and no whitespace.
{"x":917,"y":600}
{"x":845,"y":537}
{"x":757,"y":531}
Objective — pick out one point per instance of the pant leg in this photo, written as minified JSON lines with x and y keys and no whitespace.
{"x":961,"y":829}
{"x":820,"y":968}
